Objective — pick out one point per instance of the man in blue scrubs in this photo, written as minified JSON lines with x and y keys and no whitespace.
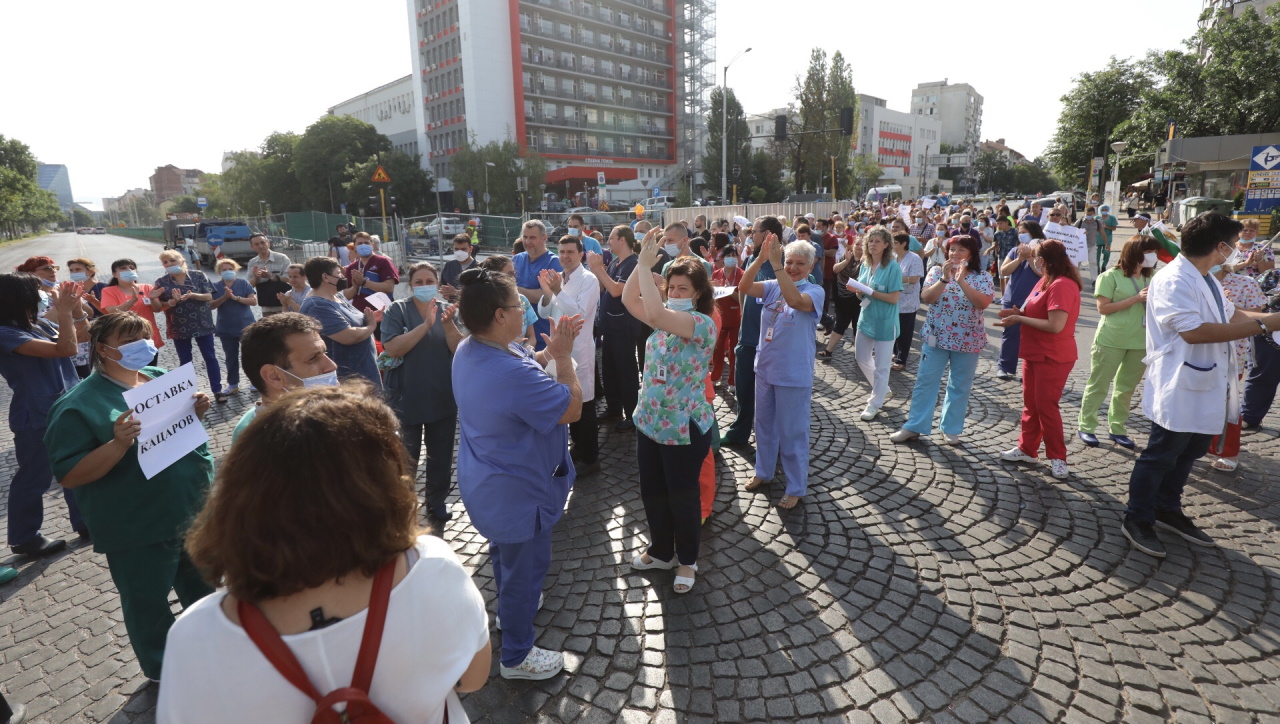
{"x":739,"y":433}
{"x":529,"y":264}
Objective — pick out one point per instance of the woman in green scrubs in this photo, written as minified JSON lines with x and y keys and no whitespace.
{"x":138,"y":523}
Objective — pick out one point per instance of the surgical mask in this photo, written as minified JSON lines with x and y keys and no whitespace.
{"x":1024,"y":238}
{"x":364,"y":249}
{"x":79,"y":276}
{"x":575,"y":231}
{"x":671,"y":249}
{"x":48,"y":283}
{"x":135,"y":355}
{"x":329,"y":379}
{"x":1149,"y":259}
{"x":731,"y":261}
{"x":128,"y":275}
{"x":460,"y":255}
{"x":680,"y":305}
{"x":45,"y":301}
{"x":173,"y":270}
{"x":1213,"y":270}
{"x":425,"y":293}
{"x":227,"y":275}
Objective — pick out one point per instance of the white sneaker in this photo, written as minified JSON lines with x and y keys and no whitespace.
{"x":1059,"y":469}
{"x":539,"y":664}
{"x":1016,"y":456}
{"x":870,"y":413}
{"x":230,"y":389}
{"x":497,"y":620}
{"x":903,"y":435}
{"x":951,"y":439}
{"x":888,"y":394}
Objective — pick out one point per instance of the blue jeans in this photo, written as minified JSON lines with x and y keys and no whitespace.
{"x":1260,"y":386}
{"x":518,"y":573}
{"x":924,"y":397}
{"x":206,"y":351}
{"x":1161,"y":472}
{"x":231,"y":352}
{"x":1009,"y":345}
{"x":744,"y":385}
{"x":29,"y":484}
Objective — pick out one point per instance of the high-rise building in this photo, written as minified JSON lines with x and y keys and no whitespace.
{"x":170,"y":182}
{"x":614,"y":86}
{"x":1209,"y":15}
{"x":900,"y":142}
{"x":957,"y":105}
{"x":54,"y":177}
{"x":391,"y":109}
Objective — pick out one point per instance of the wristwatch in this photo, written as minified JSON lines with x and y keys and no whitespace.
{"x":1263,"y":325}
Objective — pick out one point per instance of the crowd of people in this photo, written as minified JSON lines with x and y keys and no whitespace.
{"x":510,"y":357}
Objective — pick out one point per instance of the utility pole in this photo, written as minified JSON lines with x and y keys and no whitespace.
{"x":724,"y":131}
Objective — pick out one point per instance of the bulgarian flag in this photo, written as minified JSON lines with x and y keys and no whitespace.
{"x":1169,"y":244}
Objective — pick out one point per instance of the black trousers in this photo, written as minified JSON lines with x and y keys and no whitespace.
{"x":439,"y":437}
{"x":907,"y":330}
{"x":621,"y":375}
{"x":585,"y":434}
{"x":671,"y":493}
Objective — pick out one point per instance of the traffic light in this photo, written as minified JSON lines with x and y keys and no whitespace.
{"x":780,"y":128}
{"x":391,"y":205}
{"x":1083,"y":170}
{"x":373,"y":205}
{"x":846,"y":121}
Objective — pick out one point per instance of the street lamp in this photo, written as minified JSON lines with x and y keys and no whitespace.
{"x":487,"y":165}
{"x":1118,"y":147}
{"x":724,"y":130}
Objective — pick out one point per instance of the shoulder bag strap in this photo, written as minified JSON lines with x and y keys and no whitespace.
{"x":268,"y":641}
{"x":373,"y":624}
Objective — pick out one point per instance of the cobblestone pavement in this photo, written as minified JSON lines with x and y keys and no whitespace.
{"x":914,"y":583}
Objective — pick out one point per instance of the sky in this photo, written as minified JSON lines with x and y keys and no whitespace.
{"x":114,"y":90}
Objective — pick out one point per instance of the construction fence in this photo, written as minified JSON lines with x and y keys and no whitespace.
{"x":754,"y":211}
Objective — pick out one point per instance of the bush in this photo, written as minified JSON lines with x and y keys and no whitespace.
{"x":1238,"y":204}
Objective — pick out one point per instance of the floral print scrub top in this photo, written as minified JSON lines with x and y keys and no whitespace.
{"x":953,"y":323}
{"x":672,"y":393}
{"x":191,"y":318}
{"x":1245,"y":293}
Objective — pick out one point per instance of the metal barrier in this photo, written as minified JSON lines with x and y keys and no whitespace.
{"x":753,"y":211}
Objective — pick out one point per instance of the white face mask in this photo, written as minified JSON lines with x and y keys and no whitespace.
{"x":1149,"y":260}
{"x":460,"y":255}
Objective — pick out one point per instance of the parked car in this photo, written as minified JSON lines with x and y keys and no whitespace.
{"x":445,"y":226}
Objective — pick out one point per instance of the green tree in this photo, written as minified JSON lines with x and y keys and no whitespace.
{"x":1097,"y":103}
{"x":327,"y":152}
{"x":951,"y":173}
{"x":865,"y":171}
{"x":184,"y":205}
{"x":991,"y":170}
{"x":808,"y":150}
{"x":24,"y":206}
{"x":765,"y":179}
{"x":1032,"y":178}
{"x":467,"y":172}
{"x":16,"y":155}
{"x":739,"y":142}
{"x":82,"y":217}
{"x":840,"y":94}
{"x":410,"y":185}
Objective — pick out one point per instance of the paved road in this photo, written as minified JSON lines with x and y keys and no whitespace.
{"x":917,"y":582}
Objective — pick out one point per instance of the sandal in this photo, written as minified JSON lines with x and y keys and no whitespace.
{"x":1225,"y":465}
{"x":824,"y":354}
{"x":639,"y":563}
{"x":686,"y":581}
{"x":788,"y":502}
{"x":755,"y":484}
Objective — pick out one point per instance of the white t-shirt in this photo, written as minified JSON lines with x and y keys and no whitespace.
{"x":436,"y":622}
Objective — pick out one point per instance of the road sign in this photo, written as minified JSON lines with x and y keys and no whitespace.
{"x":380,"y":176}
{"x":214,"y":239}
{"x":953,"y":160}
{"x":1262,"y":194}
{"x":600,"y":177}
{"x":202,"y":202}
{"x":657,"y":192}
{"x":486,"y":197}
{"x":342,"y":209}
{"x":471,"y":194}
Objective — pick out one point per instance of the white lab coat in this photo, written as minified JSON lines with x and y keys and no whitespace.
{"x":1189,"y":387}
{"x":579,"y":294}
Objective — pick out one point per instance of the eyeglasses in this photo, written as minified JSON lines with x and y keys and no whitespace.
{"x":55,"y":267}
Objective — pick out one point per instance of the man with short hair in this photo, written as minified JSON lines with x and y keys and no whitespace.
{"x":744,"y":383}
{"x":620,"y":333}
{"x":677,"y":243}
{"x":529,"y":264}
{"x":462,"y":260}
{"x":577,"y":291}
{"x":291,"y":301}
{"x":370,"y":273}
{"x":577,"y":227}
{"x":1191,"y":390}
{"x":338,"y":244}
{"x":280,"y":353}
{"x":267,"y":272}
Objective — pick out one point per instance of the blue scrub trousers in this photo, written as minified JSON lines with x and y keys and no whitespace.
{"x":782,"y":428}
{"x":924,"y":396}
{"x":29,"y":484}
{"x":744,"y":385}
{"x":206,"y":351}
{"x":1009,"y":345}
{"x":518,"y":573}
{"x":1161,"y":472}
{"x":1260,"y":386}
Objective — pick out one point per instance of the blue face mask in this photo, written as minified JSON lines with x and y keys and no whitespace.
{"x":135,"y":355}
{"x":45,"y":301}
{"x":227,"y":275}
{"x":680,"y":305}
{"x":574,"y":231}
{"x":128,"y":275}
{"x":329,"y":379}
{"x":1213,"y":270}
{"x":425,"y":293}
{"x":1024,"y":238}
{"x":364,"y":249}
{"x":48,"y":283}
{"x":173,"y":270}
{"x":78,"y":276}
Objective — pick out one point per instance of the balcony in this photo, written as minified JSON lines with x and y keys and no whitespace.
{"x":632,"y":78}
{"x":626,"y":130}
{"x":598,"y":43}
{"x":577,"y":95}
{"x":648,"y":27}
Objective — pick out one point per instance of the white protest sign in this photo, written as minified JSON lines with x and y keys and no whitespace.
{"x":722,"y":292}
{"x":166,"y":407}
{"x":929,"y":203}
{"x":1072,"y":238}
{"x":379,"y":300}
{"x":904,"y":212}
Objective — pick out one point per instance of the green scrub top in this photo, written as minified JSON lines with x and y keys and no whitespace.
{"x":123,"y":509}
{"x":1123,"y":329}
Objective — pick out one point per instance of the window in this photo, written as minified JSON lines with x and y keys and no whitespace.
{"x":588,"y":64}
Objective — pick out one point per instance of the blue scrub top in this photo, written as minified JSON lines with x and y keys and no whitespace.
{"x":788,"y":359}
{"x":1021,"y":281}
{"x":749,"y":331}
{"x":335,"y":317}
{"x":37,"y":382}
{"x":514,"y":471}
{"x":527,"y":278}
{"x":233,"y":316}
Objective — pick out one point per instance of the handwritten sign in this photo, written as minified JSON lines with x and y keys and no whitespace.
{"x":722,"y":292}
{"x":929,"y":203}
{"x":1072,"y":238}
{"x":378,"y":300}
{"x":904,"y":212}
{"x":166,"y":407}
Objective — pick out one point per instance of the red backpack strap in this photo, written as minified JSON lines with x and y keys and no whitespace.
{"x":373,"y":624}
{"x":268,"y":641}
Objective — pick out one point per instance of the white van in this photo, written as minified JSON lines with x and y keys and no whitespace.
{"x":659,"y":202}
{"x":886,"y":193}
